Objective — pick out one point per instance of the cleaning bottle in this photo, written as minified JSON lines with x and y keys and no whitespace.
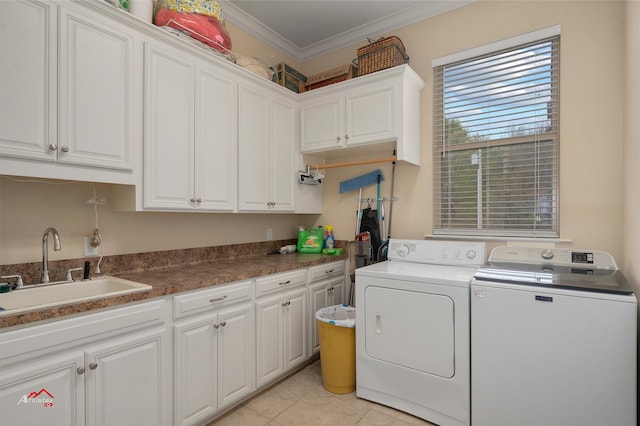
{"x":329,"y":241}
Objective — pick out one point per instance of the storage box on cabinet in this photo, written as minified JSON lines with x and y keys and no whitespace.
{"x":205,"y":300}
{"x":278,"y":282}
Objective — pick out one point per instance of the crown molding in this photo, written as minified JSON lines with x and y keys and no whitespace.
{"x":402,"y":18}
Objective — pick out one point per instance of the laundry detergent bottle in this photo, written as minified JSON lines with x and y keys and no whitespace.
{"x":310,"y":240}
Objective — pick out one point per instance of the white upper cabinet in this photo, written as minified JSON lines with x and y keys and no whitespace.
{"x":99,"y":98}
{"x":267,"y":141}
{"x":70,"y":93}
{"x":190,"y":151}
{"x":29,"y":80}
{"x":380,"y":111}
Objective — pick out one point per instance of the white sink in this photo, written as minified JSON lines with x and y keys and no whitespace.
{"x":59,"y":294}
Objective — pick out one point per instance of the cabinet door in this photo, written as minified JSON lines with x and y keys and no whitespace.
{"x":295,"y":327}
{"x":100,"y":111}
{"x":254,"y":152}
{"x":322,"y":123}
{"x":50,"y":392}
{"x":236,"y":354}
{"x":319,"y":299}
{"x":28,"y":36}
{"x":216,"y":154}
{"x":124,"y":382}
{"x":336,"y":290}
{"x":169,"y":127}
{"x":284,"y":132}
{"x":372,"y":113}
{"x":269,"y":339}
{"x":196,"y":356}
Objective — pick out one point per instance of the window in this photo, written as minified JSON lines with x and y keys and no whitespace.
{"x":496,"y":140}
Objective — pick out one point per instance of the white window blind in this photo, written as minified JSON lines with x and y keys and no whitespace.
{"x":496,"y":120}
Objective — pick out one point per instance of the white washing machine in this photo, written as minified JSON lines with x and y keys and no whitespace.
{"x":553,"y":340}
{"x":412,"y":329}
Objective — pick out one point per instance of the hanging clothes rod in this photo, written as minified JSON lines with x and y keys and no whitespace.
{"x":374,"y":199}
{"x":353,"y":163}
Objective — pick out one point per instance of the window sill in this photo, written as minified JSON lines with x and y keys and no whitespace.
{"x":541,"y":240}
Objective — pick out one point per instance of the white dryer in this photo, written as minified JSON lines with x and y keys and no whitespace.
{"x":412,"y":329}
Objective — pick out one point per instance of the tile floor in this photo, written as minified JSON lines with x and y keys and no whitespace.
{"x":301,"y":400}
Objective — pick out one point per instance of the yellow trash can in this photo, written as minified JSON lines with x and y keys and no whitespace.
{"x":336,"y":329}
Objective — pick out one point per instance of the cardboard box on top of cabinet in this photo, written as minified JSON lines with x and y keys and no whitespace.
{"x":290,"y":78}
{"x":335,"y":75}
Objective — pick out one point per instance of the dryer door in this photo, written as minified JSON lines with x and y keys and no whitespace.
{"x":411,"y":329}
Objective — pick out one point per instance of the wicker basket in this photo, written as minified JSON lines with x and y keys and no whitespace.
{"x":386,"y":52}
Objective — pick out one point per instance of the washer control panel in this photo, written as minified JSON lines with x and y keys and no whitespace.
{"x":437,"y":252}
{"x":594,"y":259}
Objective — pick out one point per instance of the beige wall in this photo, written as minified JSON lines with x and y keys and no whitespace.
{"x":592,"y":71}
{"x":631,"y":194}
{"x":592,"y":93}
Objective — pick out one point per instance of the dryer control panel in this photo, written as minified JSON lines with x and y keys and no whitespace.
{"x":437,"y":252}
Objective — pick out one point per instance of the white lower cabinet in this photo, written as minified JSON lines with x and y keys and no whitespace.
{"x":327,"y":285}
{"x":49,"y":391}
{"x":115,"y":367}
{"x":123,"y":381}
{"x":214,"y":352}
{"x":281,"y":324}
{"x":118,"y":380}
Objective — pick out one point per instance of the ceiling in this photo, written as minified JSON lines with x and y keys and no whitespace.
{"x":305,"y":29}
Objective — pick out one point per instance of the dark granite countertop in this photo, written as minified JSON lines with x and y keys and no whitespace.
{"x":171,"y":280}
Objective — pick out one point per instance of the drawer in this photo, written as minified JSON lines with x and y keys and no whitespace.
{"x":327,"y":270}
{"x":286,"y":280}
{"x":209,"y":299}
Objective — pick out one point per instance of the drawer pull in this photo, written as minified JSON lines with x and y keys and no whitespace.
{"x":285,"y":304}
{"x":287,"y":282}
{"x":328,"y":271}
{"x":218,"y":299}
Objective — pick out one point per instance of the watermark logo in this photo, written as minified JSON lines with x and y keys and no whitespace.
{"x":42,"y":396}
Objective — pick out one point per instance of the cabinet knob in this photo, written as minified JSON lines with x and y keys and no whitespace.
{"x":198,"y":200}
{"x":216,"y":326}
{"x":338,"y":139}
{"x":80,"y":370}
{"x":93,"y":366}
{"x":65,"y":149}
{"x":193,"y":200}
{"x":223,"y":323}
{"x":346,"y":137}
{"x":53,"y":147}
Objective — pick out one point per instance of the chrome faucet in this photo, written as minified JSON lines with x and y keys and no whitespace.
{"x":45,"y":251}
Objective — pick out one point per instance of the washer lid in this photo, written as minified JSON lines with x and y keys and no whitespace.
{"x":572,"y":278}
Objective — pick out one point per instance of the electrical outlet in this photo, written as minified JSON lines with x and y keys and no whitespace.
{"x":269,"y":234}
{"x":89,"y":250}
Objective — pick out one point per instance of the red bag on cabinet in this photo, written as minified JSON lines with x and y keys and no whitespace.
{"x":206,"y":29}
